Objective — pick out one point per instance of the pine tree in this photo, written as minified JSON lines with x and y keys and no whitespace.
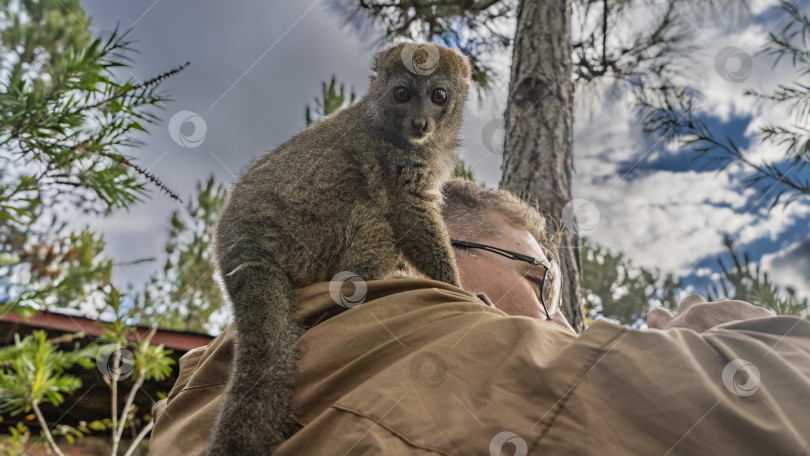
{"x":66,"y":121}
{"x":332,"y":101}
{"x":616,"y":289}
{"x":744,"y":281}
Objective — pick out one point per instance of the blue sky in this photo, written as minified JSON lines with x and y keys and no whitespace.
{"x":255,"y":65}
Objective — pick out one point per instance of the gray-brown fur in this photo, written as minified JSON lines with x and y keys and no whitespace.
{"x":350,"y":193}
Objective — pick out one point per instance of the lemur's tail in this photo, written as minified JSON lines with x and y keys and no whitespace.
{"x":256,"y":410}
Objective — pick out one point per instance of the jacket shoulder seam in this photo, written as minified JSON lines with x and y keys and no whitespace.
{"x":593,"y":360}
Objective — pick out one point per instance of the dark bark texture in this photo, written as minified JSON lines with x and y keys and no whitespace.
{"x":538,"y":159}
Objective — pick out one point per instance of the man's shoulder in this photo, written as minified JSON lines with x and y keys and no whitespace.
{"x":409,"y":333}
{"x":410,"y":365}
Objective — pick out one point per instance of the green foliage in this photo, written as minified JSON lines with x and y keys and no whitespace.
{"x":66,"y":119}
{"x":184,"y":295}
{"x":462,"y":171}
{"x":149,"y":362}
{"x":140,"y":359}
{"x":332,"y":101}
{"x":74,"y":433}
{"x":46,"y":266}
{"x":32,"y":372}
{"x":616,"y":289}
{"x":744,"y":281}
{"x":14,"y":443}
{"x":152,"y":361}
{"x":53,"y":25}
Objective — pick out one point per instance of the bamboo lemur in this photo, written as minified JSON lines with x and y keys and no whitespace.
{"x":357,"y":191}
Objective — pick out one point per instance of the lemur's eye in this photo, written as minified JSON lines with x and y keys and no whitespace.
{"x":438,"y":96}
{"x":401,"y":94}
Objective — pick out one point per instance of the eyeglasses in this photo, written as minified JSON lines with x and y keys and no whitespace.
{"x":550,"y":286}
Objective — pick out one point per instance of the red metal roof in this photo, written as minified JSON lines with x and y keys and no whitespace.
{"x":176,"y":340}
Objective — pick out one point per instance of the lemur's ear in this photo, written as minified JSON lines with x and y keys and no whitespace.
{"x":381,"y":58}
{"x":465,"y":68}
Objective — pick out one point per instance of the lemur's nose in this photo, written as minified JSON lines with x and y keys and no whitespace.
{"x":419,"y":124}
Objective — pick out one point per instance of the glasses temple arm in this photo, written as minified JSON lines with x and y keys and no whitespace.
{"x":502,"y":252}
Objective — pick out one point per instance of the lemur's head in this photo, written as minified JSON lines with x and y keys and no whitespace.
{"x":419,"y":91}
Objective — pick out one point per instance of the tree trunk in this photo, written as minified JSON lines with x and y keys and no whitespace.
{"x":539,"y":120}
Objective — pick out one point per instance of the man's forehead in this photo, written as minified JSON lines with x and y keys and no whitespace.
{"x":516,"y":238}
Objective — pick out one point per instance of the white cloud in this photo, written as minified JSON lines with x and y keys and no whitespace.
{"x":772,"y":224}
{"x":662,"y":220}
{"x":665,"y":219}
{"x":759,"y":6}
{"x":790,"y":267}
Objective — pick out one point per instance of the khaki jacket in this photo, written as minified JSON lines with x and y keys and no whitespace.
{"x":423,"y":368}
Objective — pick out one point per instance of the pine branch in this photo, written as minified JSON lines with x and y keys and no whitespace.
{"x":139,"y":87}
{"x":151,"y":177}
